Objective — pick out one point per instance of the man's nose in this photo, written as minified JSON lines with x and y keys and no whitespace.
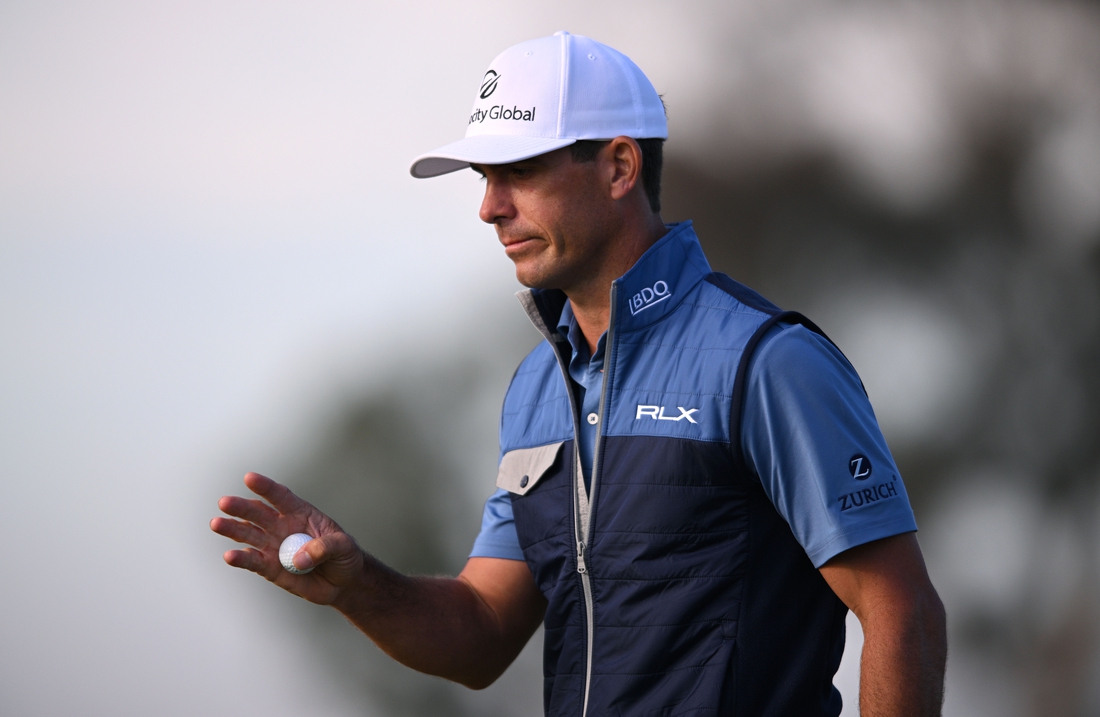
{"x":497,"y":203}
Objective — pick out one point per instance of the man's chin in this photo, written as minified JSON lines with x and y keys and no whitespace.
{"x":536,"y":284}
{"x":534,"y":279}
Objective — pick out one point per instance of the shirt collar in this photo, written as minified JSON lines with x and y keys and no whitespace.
{"x":567,"y":321}
{"x":568,"y":327}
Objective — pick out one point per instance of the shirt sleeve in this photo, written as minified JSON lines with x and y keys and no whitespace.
{"x":809,"y":433}
{"x":498,"y":538}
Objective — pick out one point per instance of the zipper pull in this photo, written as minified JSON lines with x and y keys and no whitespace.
{"x":581,"y":567}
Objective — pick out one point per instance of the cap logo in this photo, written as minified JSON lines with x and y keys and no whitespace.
{"x":489,"y":84}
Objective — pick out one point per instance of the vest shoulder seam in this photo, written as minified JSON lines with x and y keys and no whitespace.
{"x":741,"y":293}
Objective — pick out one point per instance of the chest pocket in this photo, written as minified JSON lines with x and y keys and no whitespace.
{"x":522,"y":469}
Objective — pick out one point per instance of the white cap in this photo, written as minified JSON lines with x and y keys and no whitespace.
{"x":545,"y":94}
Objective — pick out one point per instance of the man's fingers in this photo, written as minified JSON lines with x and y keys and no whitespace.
{"x":253,"y":511}
{"x":240,"y":531}
{"x":275,"y":493}
{"x":249,"y":559}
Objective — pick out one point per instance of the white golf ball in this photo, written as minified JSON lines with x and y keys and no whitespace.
{"x":290,"y":546}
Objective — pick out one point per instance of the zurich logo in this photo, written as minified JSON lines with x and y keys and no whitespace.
{"x":859,"y":467}
{"x":489,"y":84}
{"x":648,"y":297}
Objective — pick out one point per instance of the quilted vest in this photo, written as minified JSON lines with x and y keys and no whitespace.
{"x":673,"y":585}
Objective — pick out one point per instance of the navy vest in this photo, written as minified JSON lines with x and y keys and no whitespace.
{"x":674,"y":587}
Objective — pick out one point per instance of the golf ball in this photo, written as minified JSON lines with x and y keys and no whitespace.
{"x":290,"y":546}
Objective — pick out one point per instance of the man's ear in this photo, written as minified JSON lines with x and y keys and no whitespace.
{"x":624,"y":162}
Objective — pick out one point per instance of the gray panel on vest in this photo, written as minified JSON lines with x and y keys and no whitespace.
{"x":521,"y":469}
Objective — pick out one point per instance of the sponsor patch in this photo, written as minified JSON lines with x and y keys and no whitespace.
{"x":648,"y":297}
{"x":489,"y":84}
{"x":657,"y":413}
{"x":500,"y":112}
{"x":859,"y":467}
{"x":866,"y":496}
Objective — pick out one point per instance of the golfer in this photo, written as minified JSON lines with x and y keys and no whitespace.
{"x":692,"y":490}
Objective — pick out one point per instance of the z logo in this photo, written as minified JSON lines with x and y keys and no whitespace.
{"x":859,"y":467}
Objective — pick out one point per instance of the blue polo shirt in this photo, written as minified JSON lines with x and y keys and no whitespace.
{"x":803,"y":405}
{"x":587,"y":374}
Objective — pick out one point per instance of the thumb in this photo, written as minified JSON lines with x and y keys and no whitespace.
{"x":338,"y":548}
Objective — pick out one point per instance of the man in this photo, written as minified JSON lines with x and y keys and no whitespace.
{"x":693,"y":489}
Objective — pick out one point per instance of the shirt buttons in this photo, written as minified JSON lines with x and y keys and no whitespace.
{"x":593,"y":418}
{"x":523,"y":482}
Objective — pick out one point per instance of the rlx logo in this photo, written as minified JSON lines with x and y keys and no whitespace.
{"x":647,"y":297}
{"x":657,"y":413}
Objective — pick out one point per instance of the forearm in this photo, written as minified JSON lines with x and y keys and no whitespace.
{"x":903,"y":660}
{"x":886,"y":585}
{"x":440,"y":626}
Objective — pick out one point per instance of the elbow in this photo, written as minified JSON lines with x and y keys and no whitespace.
{"x":479,"y":682}
{"x":941,"y":614}
{"x":927,"y":608}
{"x":915,"y":616}
{"x":477,"y":685}
{"x":935,"y":619}
{"x":480,"y":672}
{"x":921,"y":622}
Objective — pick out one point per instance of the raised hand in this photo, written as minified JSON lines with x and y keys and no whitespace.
{"x":337,"y":559}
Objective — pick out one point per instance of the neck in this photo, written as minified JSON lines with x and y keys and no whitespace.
{"x":591,"y":301}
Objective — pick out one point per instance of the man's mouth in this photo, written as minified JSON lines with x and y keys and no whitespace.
{"x":515,"y":245}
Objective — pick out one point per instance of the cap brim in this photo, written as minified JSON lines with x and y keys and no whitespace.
{"x":482,"y":149}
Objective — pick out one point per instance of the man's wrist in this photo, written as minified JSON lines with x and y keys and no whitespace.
{"x":355,"y":598}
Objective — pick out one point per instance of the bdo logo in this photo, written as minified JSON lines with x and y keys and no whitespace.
{"x":648,"y":297}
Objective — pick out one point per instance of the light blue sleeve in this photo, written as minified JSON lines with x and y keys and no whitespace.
{"x":498,"y":538}
{"x":809,"y":433}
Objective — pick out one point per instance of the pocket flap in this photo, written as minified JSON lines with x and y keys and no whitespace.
{"x":522,"y":468}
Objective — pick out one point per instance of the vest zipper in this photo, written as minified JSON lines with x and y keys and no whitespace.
{"x":582,"y":506}
{"x":584,"y":539}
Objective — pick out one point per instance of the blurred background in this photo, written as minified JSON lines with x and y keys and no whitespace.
{"x":213,"y":260}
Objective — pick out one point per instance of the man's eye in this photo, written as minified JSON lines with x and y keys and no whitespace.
{"x":520,"y":171}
